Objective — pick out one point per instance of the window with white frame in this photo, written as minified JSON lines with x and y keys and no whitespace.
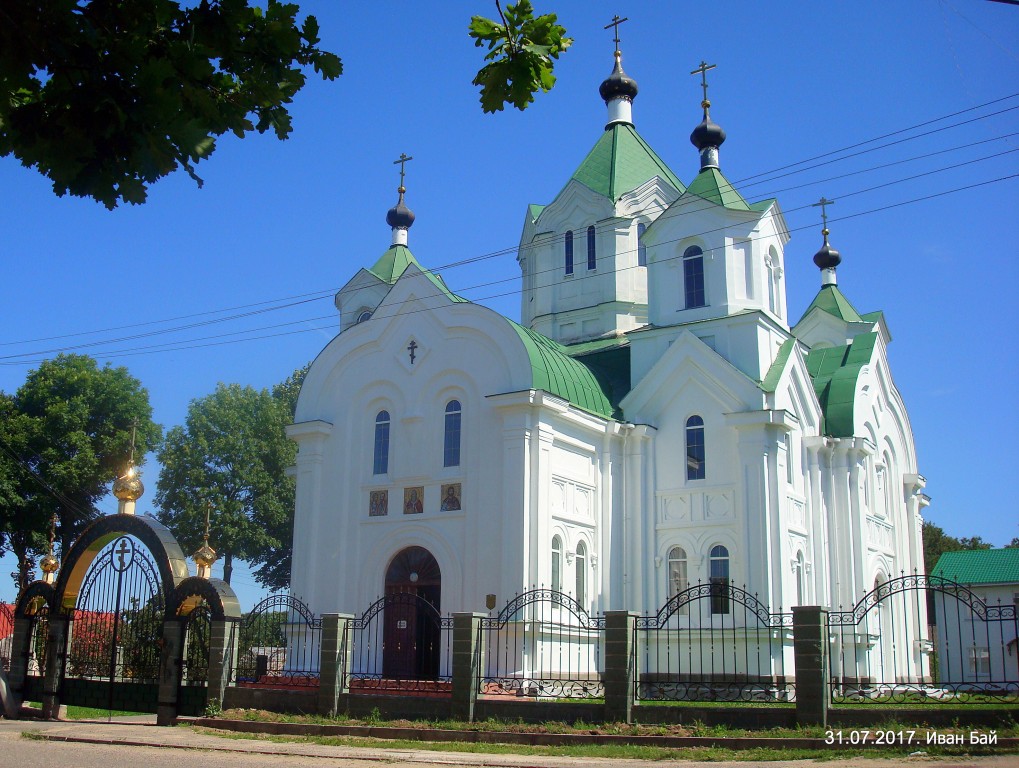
{"x":980,"y":660}
{"x":581,"y":564}
{"x":800,"y":576}
{"x":557,"y":564}
{"x":592,"y":249}
{"x":641,"y":248}
{"x":695,"y":469}
{"x":718,"y":572}
{"x":693,"y":277}
{"x":451,"y":435}
{"x":380,"y":465}
{"x":568,"y":246}
{"x":678,"y":577}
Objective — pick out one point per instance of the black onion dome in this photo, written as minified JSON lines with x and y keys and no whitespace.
{"x":707,"y":134}
{"x":618,"y":85}
{"x":400,"y":215}
{"x":827,"y":257}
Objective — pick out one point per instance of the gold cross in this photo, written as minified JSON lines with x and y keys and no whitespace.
{"x":122,"y":552}
{"x":402,"y":162}
{"x":824,"y":213}
{"x":616,"y":21}
{"x":703,"y":69}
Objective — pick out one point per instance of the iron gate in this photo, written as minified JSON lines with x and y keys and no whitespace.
{"x":116,"y":631}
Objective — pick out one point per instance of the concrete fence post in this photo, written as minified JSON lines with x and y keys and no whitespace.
{"x":171,"y":659}
{"x":335,"y":662}
{"x":57,"y":645}
{"x":222,"y":658}
{"x":811,"y":658}
{"x":468,"y":662}
{"x":620,"y":665}
{"x":21,"y":650}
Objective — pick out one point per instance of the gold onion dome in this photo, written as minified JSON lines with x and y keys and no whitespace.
{"x":49,"y":564}
{"x":129,"y":486}
{"x":205,"y":555}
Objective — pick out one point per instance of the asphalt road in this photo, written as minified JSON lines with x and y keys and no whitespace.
{"x":85,"y":744}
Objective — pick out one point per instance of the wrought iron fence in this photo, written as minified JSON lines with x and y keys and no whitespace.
{"x":197,"y":634}
{"x":401,"y":644}
{"x":543,"y":643}
{"x":714,"y":642}
{"x":883,"y":649}
{"x":117,"y":622}
{"x":278,"y":645}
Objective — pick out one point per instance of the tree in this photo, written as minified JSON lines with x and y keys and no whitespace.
{"x":936,"y":542}
{"x":68,"y":436}
{"x":230,"y":457}
{"x":105,"y":98}
{"x":520,"y":54}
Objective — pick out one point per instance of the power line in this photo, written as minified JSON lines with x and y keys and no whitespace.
{"x":212,"y":342}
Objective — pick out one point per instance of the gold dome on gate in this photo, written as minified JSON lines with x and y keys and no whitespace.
{"x":49,"y":564}
{"x":128,"y":487}
{"x":204,"y":556}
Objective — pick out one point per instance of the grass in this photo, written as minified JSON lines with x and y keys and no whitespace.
{"x":618,"y":751}
{"x":88,"y":713}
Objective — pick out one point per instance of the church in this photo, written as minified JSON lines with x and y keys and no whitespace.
{"x":655,"y":419}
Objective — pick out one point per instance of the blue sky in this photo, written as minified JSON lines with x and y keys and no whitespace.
{"x":794,"y":81}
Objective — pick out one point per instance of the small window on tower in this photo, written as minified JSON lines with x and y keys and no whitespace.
{"x":693,"y":277}
{"x":569,"y":252}
{"x":641,"y":248}
{"x":695,"y":448}
{"x":592,"y":252}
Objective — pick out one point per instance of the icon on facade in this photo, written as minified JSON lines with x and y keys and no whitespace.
{"x":450,"y":497}
{"x":412,"y":497}
{"x":378,"y":503}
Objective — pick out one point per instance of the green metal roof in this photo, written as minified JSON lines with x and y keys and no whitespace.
{"x":620,"y":162}
{"x":553,"y":370}
{"x":712,"y":186}
{"x":393,"y":263}
{"x":834,"y":302}
{"x":785,"y":351}
{"x":979,"y":566}
{"x":834,"y":371}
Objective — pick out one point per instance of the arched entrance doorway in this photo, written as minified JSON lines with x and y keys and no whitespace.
{"x":411,"y":620}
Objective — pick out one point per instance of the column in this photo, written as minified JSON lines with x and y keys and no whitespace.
{"x":170,"y":660}
{"x":620,"y":666}
{"x":222,"y":657}
{"x":468,"y":661}
{"x":810,"y":653}
{"x":57,"y":641}
{"x":21,"y":645}
{"x":336,"y":659}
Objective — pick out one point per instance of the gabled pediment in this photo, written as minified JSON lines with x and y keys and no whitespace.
{"x":650,"y":198}
{"x":576,"y":206}
{"x":688,"y":359}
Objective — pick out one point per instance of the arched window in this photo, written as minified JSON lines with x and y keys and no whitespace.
{"x":801,"y":586}
{"x":365,"y":315}
{"x":771,"y":262}
{"x":569,"y":253}
{"x":557,"y":564}
{"x":582,"y":574}
{"x":592,"y":251}
{"x":718,"y":571}
{"x":695,"y":448}
{"x":641,"y":248}
{"x":381,"y":463}
{"x":693,"y":277}
{"x":678,"y":580}
{"x":451,"y":437}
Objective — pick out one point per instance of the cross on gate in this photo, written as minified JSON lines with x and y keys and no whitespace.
{"x":703,"y":70}
{"x":616,"y":21}
{"x":412,"y":348}
{"x":122,"y":552}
